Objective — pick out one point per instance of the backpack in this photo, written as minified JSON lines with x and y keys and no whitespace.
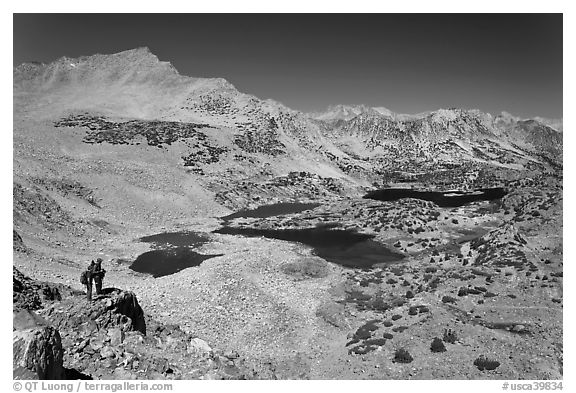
{"x":84,"y":277}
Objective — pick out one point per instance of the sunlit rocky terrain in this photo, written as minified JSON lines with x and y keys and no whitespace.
{"x":244,"y":239}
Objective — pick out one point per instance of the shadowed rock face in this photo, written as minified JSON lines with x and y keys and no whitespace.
{"x":113,"y":308}
{"x":17,"y":243}
{"x":38,"y":352}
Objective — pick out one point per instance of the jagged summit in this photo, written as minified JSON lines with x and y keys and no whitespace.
{"x":144,"y":50}
{"x":136,"y":65}
{"x":556,"y":124}
{"x":335,"y":113}
{"x":130,"y":67}
{"x":341,"y":112}
{"x":133,"y":83}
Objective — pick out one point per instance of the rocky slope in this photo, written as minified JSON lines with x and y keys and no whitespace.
{"x":110,"y":148}
{"x":67,"y":337}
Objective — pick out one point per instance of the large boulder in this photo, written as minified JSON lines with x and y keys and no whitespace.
{"x":114,"y":308}
{"x":37,"y":348}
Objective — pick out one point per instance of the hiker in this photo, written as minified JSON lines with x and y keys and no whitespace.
{"x":86,"y":279}
{"x":98,"y":275}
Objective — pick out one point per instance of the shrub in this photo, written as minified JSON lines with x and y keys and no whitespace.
{"x":483,"y":363}
{"x":402,"y":356}
{"x":397,"y":302}
{"x":450,"y":336}
{"x":377,"y":303}
{"x":434,"y":283}
{"x":437,"y":345}
{"x":448,"y":299}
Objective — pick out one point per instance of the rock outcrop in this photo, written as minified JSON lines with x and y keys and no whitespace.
{"x":17,"y":242}
{"x":114,"y":308}
{"x":28,"y":294}
{"x":67,"y":337}
{"x":38,"y":352}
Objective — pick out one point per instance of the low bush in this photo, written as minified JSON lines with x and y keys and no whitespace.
{"x":448,"y":299}
{"x":484,"y":363}
{"x":449,"y":336}
{"x":437,"y":345}
{"x":402,"y":356}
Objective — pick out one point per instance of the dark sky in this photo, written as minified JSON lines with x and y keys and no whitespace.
{"x":408,"y":63}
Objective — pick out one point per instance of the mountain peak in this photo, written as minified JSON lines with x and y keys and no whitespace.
{"x":142,"y":52}
{"x":341,"y":112}
{"x":384,"y":111}
{"x":137,"y":65}
{"x":141,"y":49}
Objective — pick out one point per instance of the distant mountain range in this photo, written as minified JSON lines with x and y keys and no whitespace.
{"x":357,"y":143}
{"x":348,"y":112}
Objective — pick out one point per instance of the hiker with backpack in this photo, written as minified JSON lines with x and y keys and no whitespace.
{"x":98,"y":275}
{"x":95,"y":273}
{"x":86,"y":278}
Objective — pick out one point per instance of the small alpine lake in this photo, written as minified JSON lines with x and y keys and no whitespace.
{"x":442,"y":199}
{"x":343,"y":247}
